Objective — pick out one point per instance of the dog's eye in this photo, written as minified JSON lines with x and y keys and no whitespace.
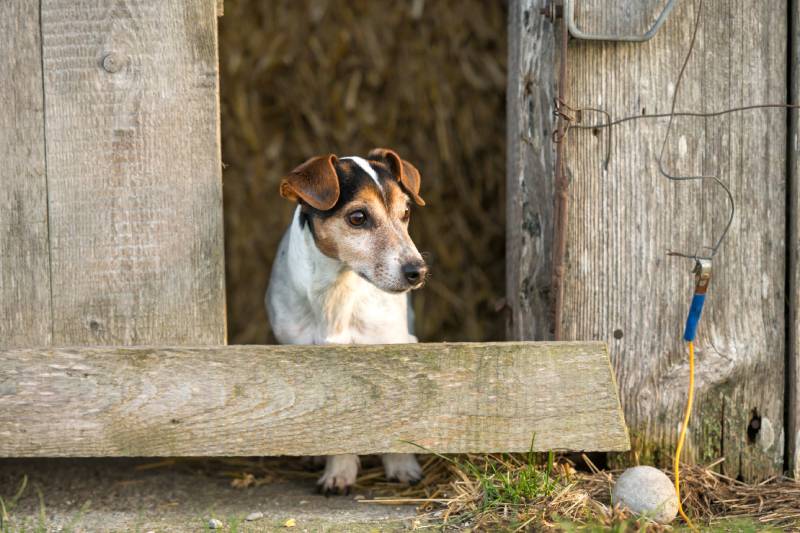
{"x":406,"y":215}
{"x":357,"y":218}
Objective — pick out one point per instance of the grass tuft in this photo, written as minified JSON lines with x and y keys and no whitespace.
{"x":7,"y":506}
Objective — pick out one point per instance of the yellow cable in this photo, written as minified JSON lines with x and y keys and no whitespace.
{"x":682,"y":438}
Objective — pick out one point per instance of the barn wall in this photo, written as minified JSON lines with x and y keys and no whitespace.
{"x":425,"y":78}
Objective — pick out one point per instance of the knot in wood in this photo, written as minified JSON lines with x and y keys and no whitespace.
{"x":113,"y":62}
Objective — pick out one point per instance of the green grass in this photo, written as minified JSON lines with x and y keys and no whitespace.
{"x":505,"y":487}
{"x":7,"y":506}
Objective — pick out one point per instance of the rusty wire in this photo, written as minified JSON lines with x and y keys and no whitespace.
{"x":577,"y":113}
{"x":675,"y":177}
{"x":710,"y":114}
{"x":564,"y":120}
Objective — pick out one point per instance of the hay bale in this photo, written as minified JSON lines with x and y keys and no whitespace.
{"x":301,"y":78}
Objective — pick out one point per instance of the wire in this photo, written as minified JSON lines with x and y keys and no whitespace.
{"x":694,"y":114}
{"x":669,"y":176}
{"x":682,"y":438}
{"x":671,"y":115}
{"x":610,"y":123}
{"x":687,"y":415}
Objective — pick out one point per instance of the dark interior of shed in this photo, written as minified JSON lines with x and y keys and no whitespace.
{"x":427,"y":79}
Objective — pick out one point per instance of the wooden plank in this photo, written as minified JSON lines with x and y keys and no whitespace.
{"x":133,"y":159}
{"x":793,"y":249}
{"x":24,"y":255}
{"x":620,"y":285}
{"x":530,"y":170}
{"x":308,"y":400}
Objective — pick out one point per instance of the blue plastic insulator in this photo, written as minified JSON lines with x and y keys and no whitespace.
{"x":695,"y":311}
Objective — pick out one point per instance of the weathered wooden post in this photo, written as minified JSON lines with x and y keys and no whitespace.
{"x":112,"y":192}
{"x":530,"y":167}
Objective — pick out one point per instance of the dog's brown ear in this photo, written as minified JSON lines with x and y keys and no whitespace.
{"x":315,"y":182}
{"x":406,"y":173}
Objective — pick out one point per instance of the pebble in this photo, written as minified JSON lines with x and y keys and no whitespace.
{"x":214,"y":524}
{"x":252,"y":517}
{"x":647,"y":491}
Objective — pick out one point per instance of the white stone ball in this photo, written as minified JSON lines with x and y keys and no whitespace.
{"x":648,"y":492}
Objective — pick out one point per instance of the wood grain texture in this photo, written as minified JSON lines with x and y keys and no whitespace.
{"x":621,"y":287}
{"x":308,"y":400}
{"x":530,"y":168}
{"x":24,"y":254}
{"x":133,"y":164}
{"x":793,"y":329}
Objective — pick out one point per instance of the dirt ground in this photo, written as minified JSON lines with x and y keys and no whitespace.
{"x":117,"y":495}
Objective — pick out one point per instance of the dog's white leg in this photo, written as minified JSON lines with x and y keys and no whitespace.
{"x":402,"y":466}
{"x":340,"y":473}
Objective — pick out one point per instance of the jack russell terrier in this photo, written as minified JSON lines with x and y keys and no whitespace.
{"x":344,"y":267}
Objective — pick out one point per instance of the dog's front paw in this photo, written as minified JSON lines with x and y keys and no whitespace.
{"x":340,"y":473}
{"x":402,"y":466}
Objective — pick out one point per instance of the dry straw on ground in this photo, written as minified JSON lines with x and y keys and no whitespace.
{"x":515,"y":492}
{"x":427,"y":78}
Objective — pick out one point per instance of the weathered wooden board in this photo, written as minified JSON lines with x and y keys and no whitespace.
{"x":133,"y":171}
{"x":620,"y":285}
{"x":793,"y":249}
{"x":24,"y":254}
{"x":308,"y":400}
{"x":530,"y":168}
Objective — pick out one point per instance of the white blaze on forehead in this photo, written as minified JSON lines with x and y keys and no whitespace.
{"x":365,"y":166}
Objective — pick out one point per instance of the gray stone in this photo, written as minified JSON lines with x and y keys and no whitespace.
{"x":214,"y":524}
{"x":648,"y":492}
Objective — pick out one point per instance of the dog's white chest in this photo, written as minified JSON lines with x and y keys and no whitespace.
{"x":349,"y":312}
{"x":356,"y":312}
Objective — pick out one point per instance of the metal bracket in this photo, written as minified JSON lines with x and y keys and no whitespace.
{"x":702,"y":275}
{"x":566,"y":8}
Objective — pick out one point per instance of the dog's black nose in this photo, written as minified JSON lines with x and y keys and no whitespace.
{"x":415,"y":272}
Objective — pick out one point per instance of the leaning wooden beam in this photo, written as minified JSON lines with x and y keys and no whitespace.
{"x":308,"y":400}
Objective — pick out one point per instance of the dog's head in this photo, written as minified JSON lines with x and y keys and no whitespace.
{"x":358,"y":212}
